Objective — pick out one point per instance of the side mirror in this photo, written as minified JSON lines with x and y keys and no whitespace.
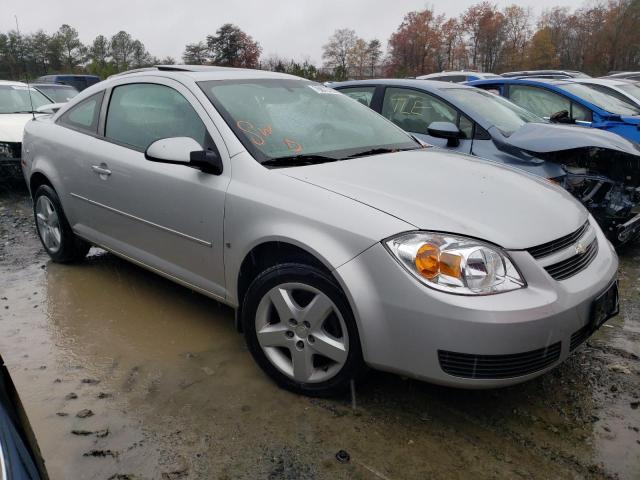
{"x":184,"y":151}
{"x":446,"y":130}
{"x":50,"y":108}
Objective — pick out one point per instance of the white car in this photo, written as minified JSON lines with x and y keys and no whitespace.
{"x":18,"y":104}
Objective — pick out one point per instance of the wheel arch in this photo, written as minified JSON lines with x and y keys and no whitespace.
{"x":36,"y":180}
{"x":269,"y":253}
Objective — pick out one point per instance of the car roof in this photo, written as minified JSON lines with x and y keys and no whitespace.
{"x":12,"y":82}
{"x":427,"y":85}
{"x":456,"y":73}
{"x":610,"y":82}
{"x":524,"y":80}
{"x":203,"y":73}
{"x":539,"y":72}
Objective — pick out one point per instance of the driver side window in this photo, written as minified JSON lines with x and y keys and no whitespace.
{"x":537,"y":100}
{"x":141,"y":113}
{"x":414,"y":111}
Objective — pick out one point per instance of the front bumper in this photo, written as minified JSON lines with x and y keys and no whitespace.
{"x":403,"y":325}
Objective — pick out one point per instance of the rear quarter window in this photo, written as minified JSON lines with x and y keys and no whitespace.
{"x":83,"y":116}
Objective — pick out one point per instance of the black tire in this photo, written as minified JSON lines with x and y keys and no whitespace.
{"x":72,"y":248}
{"x":353,"y":368}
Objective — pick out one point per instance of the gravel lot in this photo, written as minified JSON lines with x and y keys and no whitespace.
{"x":126,"y":375}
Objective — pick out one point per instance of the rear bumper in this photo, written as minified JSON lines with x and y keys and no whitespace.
{"x":413,"y":330}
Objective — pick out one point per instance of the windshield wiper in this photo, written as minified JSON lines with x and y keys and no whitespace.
{"x":379,"y":151}
{"x":21,"y":111}
{"x":298,"y":160}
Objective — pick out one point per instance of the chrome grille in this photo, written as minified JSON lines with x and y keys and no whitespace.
{"x":573,"y":265}
{"x":561,"y":243}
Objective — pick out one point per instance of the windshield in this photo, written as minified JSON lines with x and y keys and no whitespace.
{"x":632,"y":89}
{"x":506,"y":116}
{"x":599,"y":99}
{"x":57,"y":93}
{"x":283,"y":118}
{"x":15,"y":99}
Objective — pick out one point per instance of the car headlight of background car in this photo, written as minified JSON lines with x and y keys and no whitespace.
{"x":455,"y":264}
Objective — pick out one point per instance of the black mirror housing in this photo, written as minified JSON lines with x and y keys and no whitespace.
{"x":446,"y":130}
{"x":208,"y":161}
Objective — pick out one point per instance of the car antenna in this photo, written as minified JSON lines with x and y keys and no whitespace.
{"x":26,"y":73}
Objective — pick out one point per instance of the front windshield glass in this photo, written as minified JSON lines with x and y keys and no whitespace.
{"x":506,"y":116}
{"x":59,"y":94}
{"x":606,"y":102}
{"x":15,"y":99}
{"x":632,"y":89}
{"x":287,"y":118}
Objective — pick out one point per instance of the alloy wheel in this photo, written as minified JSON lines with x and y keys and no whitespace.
{"x":48,"y":223}
{"x":302,"y":332}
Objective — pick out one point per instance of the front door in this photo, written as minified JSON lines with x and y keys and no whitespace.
{"x":168,"y":217}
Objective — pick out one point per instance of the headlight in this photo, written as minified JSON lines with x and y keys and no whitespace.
{"x":5,"y":150}
{"x":455,"y":264}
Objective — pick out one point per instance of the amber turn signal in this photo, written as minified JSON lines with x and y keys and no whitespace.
{"x":430,"y":261}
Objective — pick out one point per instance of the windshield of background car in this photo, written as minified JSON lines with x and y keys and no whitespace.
{"x":276,"y":118}
{"x":15,"y":99}
{"x":632,"y":89}
{"x":599,"y":99}
{"x":506,"y":116}
{"x":60,"y":94}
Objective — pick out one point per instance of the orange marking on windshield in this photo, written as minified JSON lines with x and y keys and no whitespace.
{"x":250,"y":130}
{"x":256,"y":135}
{"x":291,"y":145}
{"x":266,"y":131}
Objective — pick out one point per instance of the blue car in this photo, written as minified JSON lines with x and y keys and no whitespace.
{"x":599,"y":168}
{"x":565,"y":101}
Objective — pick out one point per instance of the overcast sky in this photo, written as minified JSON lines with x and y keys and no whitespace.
{"x":289,"y":28}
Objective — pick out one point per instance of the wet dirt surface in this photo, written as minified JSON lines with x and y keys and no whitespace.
{"x":126,"y":375}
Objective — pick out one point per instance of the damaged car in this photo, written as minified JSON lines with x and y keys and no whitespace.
{"x":18,"y":104}
{"x":599,"y":168}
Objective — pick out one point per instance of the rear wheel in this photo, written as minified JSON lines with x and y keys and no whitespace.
{"x":54,"y":231}
{"x":299,"y":327}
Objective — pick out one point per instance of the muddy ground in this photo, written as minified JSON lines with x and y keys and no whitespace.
{"x":173,"y":393}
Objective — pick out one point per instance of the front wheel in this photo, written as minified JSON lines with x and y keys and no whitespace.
{"x":299,"y":328}
{"x":54,"y":230}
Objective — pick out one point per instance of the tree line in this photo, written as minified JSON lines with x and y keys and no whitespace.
{"x":596,"y":38}
{"x":41,"y":53}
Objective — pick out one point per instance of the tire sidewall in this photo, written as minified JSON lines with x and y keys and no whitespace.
{"x":292,"y":272}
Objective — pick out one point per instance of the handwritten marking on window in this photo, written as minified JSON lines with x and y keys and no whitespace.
{"x":293,"y":146}
{"x":257,"y":136}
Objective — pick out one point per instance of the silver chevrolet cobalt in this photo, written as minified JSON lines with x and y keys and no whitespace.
{"x":340,"y":240}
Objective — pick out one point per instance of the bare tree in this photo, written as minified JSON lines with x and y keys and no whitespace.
{"x":336,"y":52}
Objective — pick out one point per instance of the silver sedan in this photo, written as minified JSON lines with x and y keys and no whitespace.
{"x":340,"y":240}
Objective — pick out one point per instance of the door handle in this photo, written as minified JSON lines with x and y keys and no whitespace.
{"x":101,"y":170}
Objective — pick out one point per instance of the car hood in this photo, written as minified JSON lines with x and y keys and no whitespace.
{"x":547,"y":137}
{"x":441,"y":191}
{"x":12,"y":126}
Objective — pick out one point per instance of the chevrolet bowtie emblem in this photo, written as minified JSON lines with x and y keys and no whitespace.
{"x":580,"y":248}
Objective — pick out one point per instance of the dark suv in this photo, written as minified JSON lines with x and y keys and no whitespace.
{"x":80,"y":82}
